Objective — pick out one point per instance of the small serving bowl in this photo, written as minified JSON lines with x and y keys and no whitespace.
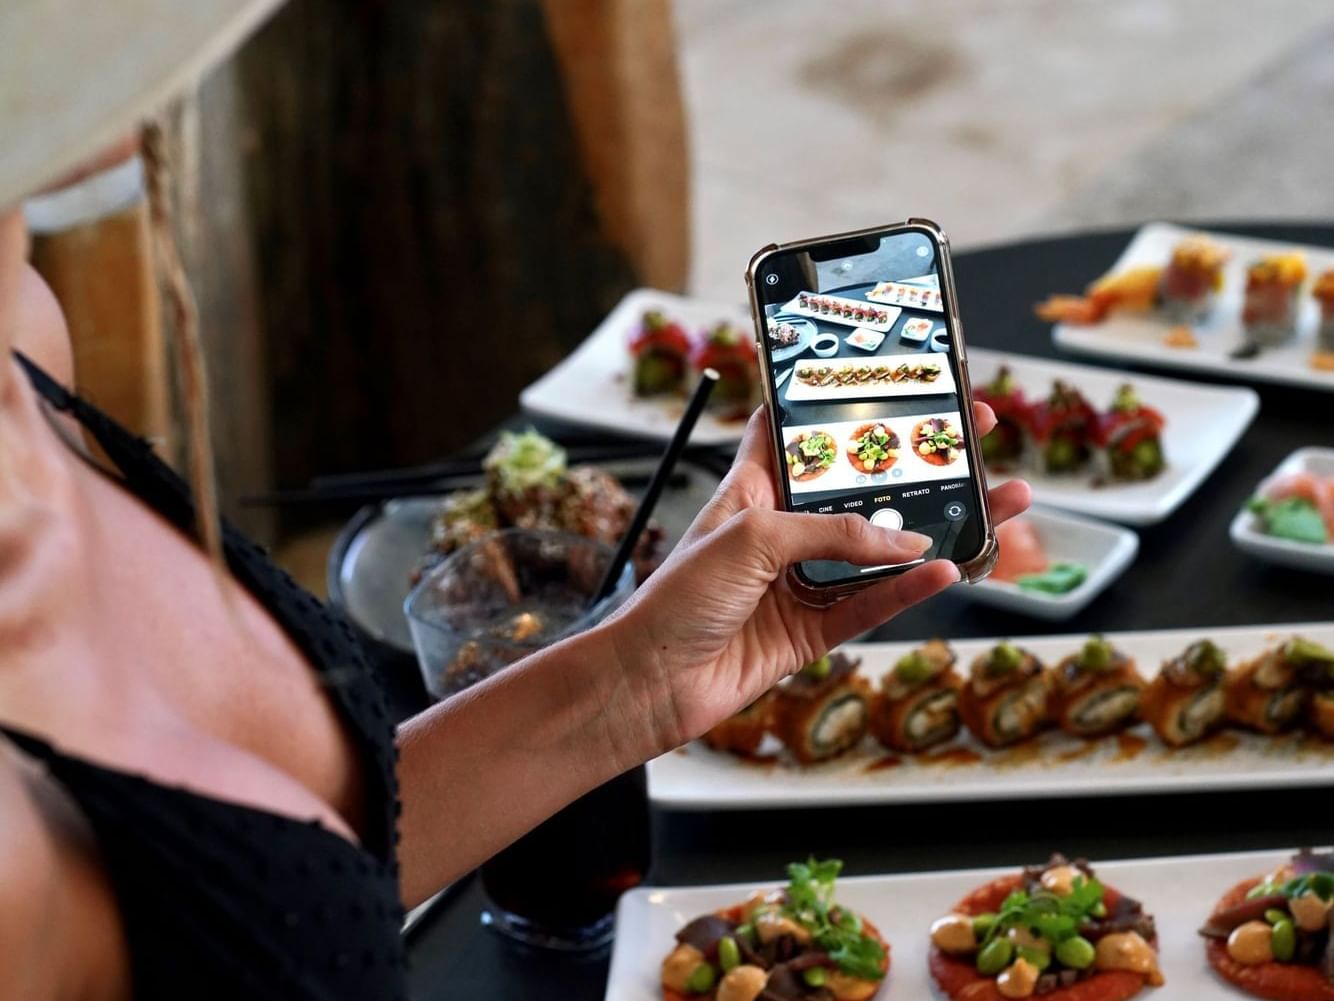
{"x":825,"y":345}
{"x":1249,"y":536}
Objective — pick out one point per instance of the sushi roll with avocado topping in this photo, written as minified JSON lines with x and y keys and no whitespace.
{"x":793,"y":943}
{"x":1269,"y":310}
{"x":1005,"y":443}
{"x":1267,"y":694}
{"x":1095,"y":691}
{"x":1192,"y":279}
{"x":661,"y":353}
{"x":918,"y":702}
{"x":1064,"y":428}
{"x":1272,"y":936}
{"x":1185,"y":702}
{"x":1005,"y":699}
{"x":743,"y":732}
{"x":822,"y":710}
{"x":1132,"y":435}
{"x":1053,"y":931}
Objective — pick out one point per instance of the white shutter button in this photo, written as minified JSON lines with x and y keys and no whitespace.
{"x":887,"y":517}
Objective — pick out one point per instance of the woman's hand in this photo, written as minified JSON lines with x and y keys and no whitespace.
{"x":716,"y":626}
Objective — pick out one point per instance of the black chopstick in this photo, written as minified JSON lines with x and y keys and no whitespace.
{"x":666,"y":464}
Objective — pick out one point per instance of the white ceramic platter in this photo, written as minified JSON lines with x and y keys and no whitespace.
{"x":695,"y":777}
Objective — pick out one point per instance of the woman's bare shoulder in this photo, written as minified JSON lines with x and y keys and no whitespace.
{"x":60,"y":930}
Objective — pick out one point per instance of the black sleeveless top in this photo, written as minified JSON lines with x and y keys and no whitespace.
{"x":223,"y":901}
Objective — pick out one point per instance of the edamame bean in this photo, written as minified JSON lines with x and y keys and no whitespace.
{"x":995,"y":956}
{"x":729,"y":955}
{"x":1098,"y":910}
{"x":1035,"y":957}
{"x":1274,"y":915}
{"x":747,"y":932}
{"x":701,"y":979}
{"x":1283,"y":941}
{"x":816,"y":976}
{"x":1077,"y":953}
{"x":983,"y":923}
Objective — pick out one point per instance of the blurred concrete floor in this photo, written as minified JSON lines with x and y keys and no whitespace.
{"x":997,"y":120}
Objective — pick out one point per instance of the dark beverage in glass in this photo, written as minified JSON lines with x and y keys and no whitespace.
{"x":557,"y":886}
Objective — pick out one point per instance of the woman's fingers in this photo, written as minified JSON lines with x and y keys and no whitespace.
{"x":777,"y":539}
{"x":984,"y":418}
{"x":881,"y":602}
{"x":1009,"y":499}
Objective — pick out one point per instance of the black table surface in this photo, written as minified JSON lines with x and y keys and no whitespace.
{"x":1187,"y":574}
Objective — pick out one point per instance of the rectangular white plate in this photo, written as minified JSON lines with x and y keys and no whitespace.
{"x":1178,"y":892}
{"x":1105,"y":550}
{"x":1140,"y":338}
{"x":880,"y":326}
{"x":908,"y":468}
{"x":1247,"y":534}
{"x":592,"y":385}
{"x":697,"y":778}
{"x":1203,"y":423}
{"x":911,"y":296}
{"x":798,"y":391}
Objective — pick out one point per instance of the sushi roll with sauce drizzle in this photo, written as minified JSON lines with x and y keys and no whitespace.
{"x":1050,"y":931}
{"x":661,"y":353}
{"x":1269,"y":311}
{"x":1005,"y":699}
{"x":743,"y":732}
{"x":731,"y":354}
{"x":1095,"y":691}
{"x":790,"y":944}
{"x":1315,"y":669}
{"x":1005,"y":443}
{"x":1267,"y":693}
{"x":1064,"y":427}
{"x":1186,"y":701}
{"x":1192,"y":279}
{"x":1323,"y":291}
{"x":918,"y":702}
{"x":1272,"y":936}
{"x":1132,"y":435}
{"x":822,"y":710}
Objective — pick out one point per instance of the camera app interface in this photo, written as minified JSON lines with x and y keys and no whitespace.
{"x":865,"y":390}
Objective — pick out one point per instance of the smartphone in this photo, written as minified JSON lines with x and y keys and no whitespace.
{"x":865,"y":376}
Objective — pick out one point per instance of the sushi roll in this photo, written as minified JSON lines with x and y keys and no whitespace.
{"x":1064,"y":427}
{"x":744,"y":732}
{"x":1324,"y":295}
{"x":1005,"y":699}
{"x":1269,"y":311}
{"x":1192,"y":279}
{"x":1005,"y":443}
{"x":661,"y":353}
{"x":1315,"y":669}
{"x":731,"y":354}
{"x":1131,"y":434}
{"x":822,"y":710}
{"x":918,"y":702}
{"x":1095,"y":691}
{"x":1267,"y":694}
{"x":1185,"y":702}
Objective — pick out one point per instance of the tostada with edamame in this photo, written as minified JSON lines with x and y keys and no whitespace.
{"x":1051,"y":931}
{"x":790,"y":944}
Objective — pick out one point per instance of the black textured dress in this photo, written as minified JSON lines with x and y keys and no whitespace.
{"x":223,"y":901}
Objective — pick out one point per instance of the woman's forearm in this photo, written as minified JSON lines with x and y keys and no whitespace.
{"x":487,"y":765}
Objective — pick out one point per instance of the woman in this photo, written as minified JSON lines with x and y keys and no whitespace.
{"x":199,"y":783}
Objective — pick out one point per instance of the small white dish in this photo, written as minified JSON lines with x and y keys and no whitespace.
{"x":916,"y":331}
{"x":1104,"y":550}
{"x":1248,"y":535}
{"x":865,"y":339}
{"x":825,"y":345}
{"x":940,"y":340}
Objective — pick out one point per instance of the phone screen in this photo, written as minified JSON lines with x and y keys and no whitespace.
{"x":866,"y":389}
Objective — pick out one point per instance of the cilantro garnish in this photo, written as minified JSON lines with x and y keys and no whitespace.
{"x":1053,"y":917}
{"x":810,"y":902}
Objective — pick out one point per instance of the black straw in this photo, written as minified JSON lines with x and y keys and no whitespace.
{"x":661,"y":475}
